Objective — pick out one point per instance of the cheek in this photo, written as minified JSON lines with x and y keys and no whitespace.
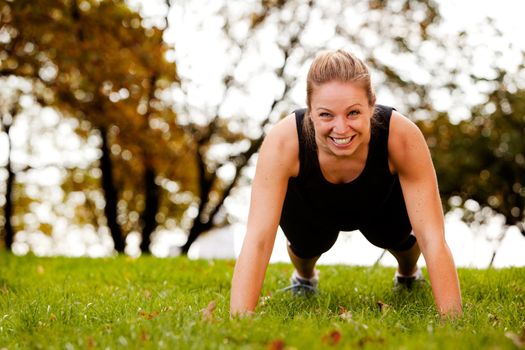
{"x":360,"y":124}
{"x":321,"y":127}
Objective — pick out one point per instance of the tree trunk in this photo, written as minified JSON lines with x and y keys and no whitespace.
{"x":8,"y":206}
{"x":199,"y":225}
{"x":151,"y":208}
{"x":110,"y":194}
{"x":106,"y":166}
{"x":196,"y":230}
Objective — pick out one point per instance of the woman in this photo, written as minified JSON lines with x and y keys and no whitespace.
{"x":345,"y":163}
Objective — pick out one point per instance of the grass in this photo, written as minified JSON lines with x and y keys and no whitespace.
{"x":121,"y":303}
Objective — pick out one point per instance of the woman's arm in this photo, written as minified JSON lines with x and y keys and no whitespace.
{"x":410,"y":157}
{"x":277,"y":162}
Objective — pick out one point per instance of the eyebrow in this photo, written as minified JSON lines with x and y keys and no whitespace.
{"x":347,"y":108}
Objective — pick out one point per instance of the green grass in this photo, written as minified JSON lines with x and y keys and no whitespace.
{"x":121,"y":303}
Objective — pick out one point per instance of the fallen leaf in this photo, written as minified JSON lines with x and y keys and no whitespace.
{"x":276,"y":344}
{"x":383,"y":307}
{"x":40,"y":269}
{"x":52,"y":317}
{"x":345,"y":314}
{"x":147,"y":294}
{"x":207,"y":313}
{"x":332,"y":338}
{"x":90,"y":342}
{"x":148,"y":315}
{"x":518,"y":340}
{"x":144,"y":336}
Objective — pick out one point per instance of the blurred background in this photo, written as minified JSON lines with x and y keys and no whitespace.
{"x":132,"y":127}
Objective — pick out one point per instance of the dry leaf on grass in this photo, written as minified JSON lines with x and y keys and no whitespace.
{"x":144,"y":335}
{"x":383,"y":307}
{"x":90,"y":342}
{"x":276,"y":344}
{"x":148,"y":315}
{"x":518,"y":340}
{"x":332,"y":338}
{"x":345,"y":314}
{"x":207,"y":313}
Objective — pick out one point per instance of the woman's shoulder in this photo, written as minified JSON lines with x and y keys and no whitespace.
{"x":404,"y":139}
{"x":282,"y":141}
{"x":284,"y":132}
{"x":402,"y":129}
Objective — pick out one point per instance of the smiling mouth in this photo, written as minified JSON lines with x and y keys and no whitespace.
{"x":342,"y":141}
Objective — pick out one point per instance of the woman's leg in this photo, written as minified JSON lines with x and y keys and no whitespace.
{"x":305,"y":267}
{"x":407,"y":259}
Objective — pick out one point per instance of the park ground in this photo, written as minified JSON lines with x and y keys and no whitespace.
{"x":178,"y":303}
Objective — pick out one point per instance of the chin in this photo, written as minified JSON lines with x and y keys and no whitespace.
{"x":342,"y":152}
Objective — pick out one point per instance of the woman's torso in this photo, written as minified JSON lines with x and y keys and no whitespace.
{"x":353,"y":204}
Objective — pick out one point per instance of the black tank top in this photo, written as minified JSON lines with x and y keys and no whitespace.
{"x":357,"y":204}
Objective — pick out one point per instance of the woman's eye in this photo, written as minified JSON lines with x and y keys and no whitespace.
{"x":324,"y":115}
{"x":354,"y":113}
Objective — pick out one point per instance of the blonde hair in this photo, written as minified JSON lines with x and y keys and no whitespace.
{"x":338,"y":65}
{"x":341,"y":66}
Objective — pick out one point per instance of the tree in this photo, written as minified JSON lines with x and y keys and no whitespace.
{"x":100,"y":65}
{"x":480,"y":162}
{"x":9,"y":111}
{"x":18,"y":107}
{"x":482,"y":158}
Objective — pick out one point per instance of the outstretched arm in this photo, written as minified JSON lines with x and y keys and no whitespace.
{"x":277,"y":162}
{"x":410,"y":157}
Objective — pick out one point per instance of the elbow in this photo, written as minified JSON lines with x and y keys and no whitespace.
{"x":432,"y":244}
{"x":258,"y":244}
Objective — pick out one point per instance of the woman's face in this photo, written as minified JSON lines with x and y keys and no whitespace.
{"x":341,"y":117}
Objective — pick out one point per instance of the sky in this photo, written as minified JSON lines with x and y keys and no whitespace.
{"x":351,"y":248}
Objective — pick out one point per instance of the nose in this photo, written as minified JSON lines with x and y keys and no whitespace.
{"x":341,"y":125}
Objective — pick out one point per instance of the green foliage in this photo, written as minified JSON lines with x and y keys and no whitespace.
{"x":177,"y":303}
{"x":483,"y":158}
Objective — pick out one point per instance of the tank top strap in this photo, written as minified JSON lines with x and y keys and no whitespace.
{"x":378,"y":152}
{"x":379,"y":138}
{"x":306,"y":151}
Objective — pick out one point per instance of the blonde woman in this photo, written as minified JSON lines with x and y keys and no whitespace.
{"x":345,"y":163}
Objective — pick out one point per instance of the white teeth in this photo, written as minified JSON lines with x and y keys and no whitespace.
{"x":342,"y":141}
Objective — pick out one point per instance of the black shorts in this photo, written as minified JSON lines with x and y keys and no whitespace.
{"x":311,"y":233}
